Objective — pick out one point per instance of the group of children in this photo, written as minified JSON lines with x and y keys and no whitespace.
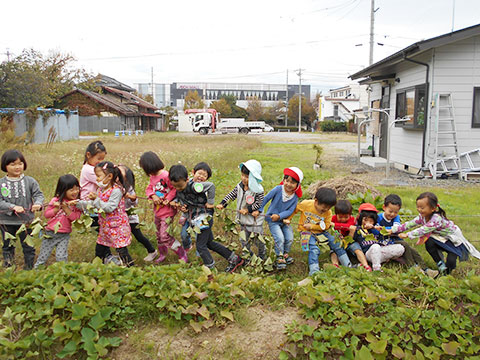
{"x":371,"y":237}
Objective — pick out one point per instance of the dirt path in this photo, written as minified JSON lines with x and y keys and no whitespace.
{"x":257,"y":333}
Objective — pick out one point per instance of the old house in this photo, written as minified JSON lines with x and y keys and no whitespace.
{"x":409,"y":84}
{"x":113,"y":109}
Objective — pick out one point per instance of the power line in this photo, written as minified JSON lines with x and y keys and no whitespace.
{"x":210,"y":51}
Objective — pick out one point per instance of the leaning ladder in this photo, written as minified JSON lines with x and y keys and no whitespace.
{"x":444,"y":139}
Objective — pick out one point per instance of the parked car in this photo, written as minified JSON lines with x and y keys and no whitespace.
{"x":268,"y":128}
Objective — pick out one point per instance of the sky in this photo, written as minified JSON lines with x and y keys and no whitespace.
{"x":249,"y":41}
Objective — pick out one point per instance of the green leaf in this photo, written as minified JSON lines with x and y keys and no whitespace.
{"x":29,"y":241}
{"x":308,"y":301}
{"x":57,"y":227}
{"x":397,"y":352}
{"x":96,"y":322}
{"x":20,"y":230}
{"x":36,"y":229}
{"x":8,"y":236}
{"x":242,"y":235}
{"x":197,"y":327}
{"x":305,"y":282}
{"x":363,"y":354}
{"x":69,"y":349}
{"x":59,"y":330}
{"x":378,"y":347}
{"x":227,"y":314}
{"x":59,"y":302}
{"x":78,"y":311}
{"x":203,"y":311}
{"x":451,"y":347}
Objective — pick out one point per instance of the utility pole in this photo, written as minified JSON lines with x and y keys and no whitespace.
{"x":453,"y":15}
{"x":286,"y":102}
{"x":372,"y":21}
{"x":299,"y":73}
{"x":153,"y":92}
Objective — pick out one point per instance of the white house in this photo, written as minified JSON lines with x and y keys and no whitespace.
{"x":340,"y":103}
{"x":408,"y":81}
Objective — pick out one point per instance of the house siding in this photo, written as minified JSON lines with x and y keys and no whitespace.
{"x":456,"y":69}
{"x":406,"y":144}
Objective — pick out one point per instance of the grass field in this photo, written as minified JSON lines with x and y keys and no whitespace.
{"x":224,"y":154}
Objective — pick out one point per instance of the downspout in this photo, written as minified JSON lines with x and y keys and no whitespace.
{"x":426,"y":103}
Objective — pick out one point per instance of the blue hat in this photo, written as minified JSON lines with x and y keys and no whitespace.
{"x":255,"y":177}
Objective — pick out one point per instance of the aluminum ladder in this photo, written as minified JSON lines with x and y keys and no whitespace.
{"x":443,"y":141}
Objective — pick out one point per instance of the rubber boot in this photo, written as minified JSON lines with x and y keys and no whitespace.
{"x":162,"y":253}
{"x":442,"y":267}
{"x":182,"y":254}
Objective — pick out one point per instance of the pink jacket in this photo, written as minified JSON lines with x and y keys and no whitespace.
{"x":64,"y":220}
{"x":160,"y":185}
{"x":88,"y":181}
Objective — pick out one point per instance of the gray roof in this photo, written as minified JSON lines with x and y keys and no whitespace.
{"x":416,"y":49}
{"x":104,"y":80}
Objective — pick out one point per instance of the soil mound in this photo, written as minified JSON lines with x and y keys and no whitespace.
{"x":343,"y":186}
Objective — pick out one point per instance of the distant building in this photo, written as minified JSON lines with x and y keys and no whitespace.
{"x":161,"y":93}
{"x":104,"y":80}
{"x":269,"y":94}
{"x":341,"y":102}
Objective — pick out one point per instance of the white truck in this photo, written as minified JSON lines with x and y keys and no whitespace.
{"x":239,"y":125}
{"x":205,"y":120}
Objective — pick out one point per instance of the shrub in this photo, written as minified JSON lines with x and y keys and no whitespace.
{"x":330,"y":125}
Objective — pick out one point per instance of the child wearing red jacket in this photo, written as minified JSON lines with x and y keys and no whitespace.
{"x":345,"y":224}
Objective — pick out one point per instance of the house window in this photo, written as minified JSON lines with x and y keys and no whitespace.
{"x":476,"y":108}
{"x":335,"y":110}
{"x":411,"y":104}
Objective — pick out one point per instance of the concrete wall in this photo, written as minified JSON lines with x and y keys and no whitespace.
{"x":66,"y":128}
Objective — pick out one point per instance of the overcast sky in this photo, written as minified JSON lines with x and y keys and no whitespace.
{"x":226,"y":41}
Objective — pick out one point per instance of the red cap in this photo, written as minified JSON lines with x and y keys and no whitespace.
{"x":296,"y":174}
{"x":367,"y":207}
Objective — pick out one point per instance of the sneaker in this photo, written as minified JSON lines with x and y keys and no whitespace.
{"x":151,"y":256}
{"x":368,"y":268}
{"x":431,"y":273}
{"x":281,"y":263}
{"x":232,"y":266}
{"x":113,"y":259}
{"x":288,"y":259}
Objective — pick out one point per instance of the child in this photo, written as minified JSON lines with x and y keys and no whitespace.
{"x":94,"y":154}
{"x":391,"y":207}
{"x":161,"y":191}
{"x":114,"y":230}
{"x":284,"y":199}
{"x":60,"y":212}
{"x":20,"y":197}
{"x":377,"y":250}
{"x":197,"y":199}
{"x":438,"y":233}
{"x":249,"y":195}
{"x":201,"y":173}
{"x":130,"y":202}
{"x":316,"y":219}
{"x":345,"y":223}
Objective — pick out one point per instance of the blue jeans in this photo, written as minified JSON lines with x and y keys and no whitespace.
{"x":186,"y":239}
{"x":314,"y":252}
{"x":282,"y":235}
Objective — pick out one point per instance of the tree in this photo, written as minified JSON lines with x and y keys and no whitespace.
{"x":32,"y":79}
{"x":147,"y":97}
{"x":275,"y":114}
{"x":237,"y":111}
{"x":222,"y":107}
{"x":255,"y":109}
{"x":193,"y":101}
{"x":170,"y":112}
{"x":308,"y":112}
